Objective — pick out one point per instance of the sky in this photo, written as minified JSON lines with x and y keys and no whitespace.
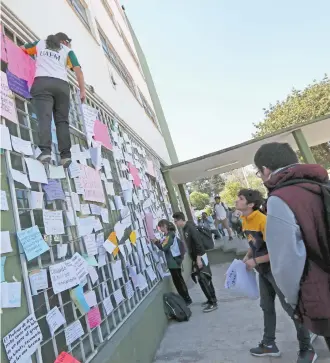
{"x":217,"y":63}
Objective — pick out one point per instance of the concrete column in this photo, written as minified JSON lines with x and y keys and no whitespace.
{"x":303,"y":147}
{"x":185,"y":201}
{"x":171,"y":191}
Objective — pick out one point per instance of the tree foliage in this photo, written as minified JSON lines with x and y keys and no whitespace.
{"x":199,"y":200}
{"x":298,"y":107}
{"x":210,"y":186}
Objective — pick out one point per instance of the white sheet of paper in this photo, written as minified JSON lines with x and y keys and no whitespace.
{"x":63,"y":276}
{"x":55,"y":319}
{"x":69,"y":215}
{"x":92,"y":274}
{"x":118,"y":295}
{"x":129,"y":289}
{"x":11,"y":293}
{"x":112,"y":205}
{"x":53,"y":221}
{"x":5,"y":138}
{"x":109,"y":188}
{"x":90,"y":244}
{"x":128,"y":194}
{"x":73,"y":332}
{"x":90,"y":297}
{"x":76,"y":201}
{"x":117,"y":271}
{"x":79,"y":188}
{"x":122,"y":251}
{"x":3,"y":201}
{"x":23,"y":340}
{"x":135,"y":199}
{"x":84,"y":209}
{"x":21,"y":146}
{"x":151,"y":273}
{"x":38,"y":280}
{"x":105,"y":215}
{"x":74,"y":169}
{"x":100,"y":239}
{"x":120,"y":230}
{"x":62,"y":250}
{"x":108,"y":307}
{"x":109,"y":246}
{"x":128,"y":246}
{"x":95,"y":209}
{"x":118,"y":202}
{"x":36,"y":199}
{"x":96,"y":156}
{"x":56,"y":172}
{"x":85,"y":225}
{"x":142,"y":282}
{"x":107,"y":168}
{"x":19,"y":177}
{"x":147,"y":260}
{"x":80,"y":265}
{"x":37,"y":172}
{"x":97,"y":224}
{"x":101,"y":261}
{"x":5,"y":244}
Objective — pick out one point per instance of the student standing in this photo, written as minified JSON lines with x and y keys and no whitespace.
{"x":174,"y":257}
{"x":254,"y":227}
{"x":208,"y":223}
{"x":51,"y":92}
{"x":220,"y":211}
{"x":200,"y":265}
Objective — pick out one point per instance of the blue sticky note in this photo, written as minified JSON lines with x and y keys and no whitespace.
{"x":32,"y":242}
{"x":2,"y":269}
{"x":77,"y":296}
{"x":53,"y":190}
{"x":18,"y":85}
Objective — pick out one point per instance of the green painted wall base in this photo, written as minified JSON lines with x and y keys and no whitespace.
{"x":138,"y":339}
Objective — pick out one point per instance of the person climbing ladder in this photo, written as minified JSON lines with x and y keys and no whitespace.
{"x":51,"y":92}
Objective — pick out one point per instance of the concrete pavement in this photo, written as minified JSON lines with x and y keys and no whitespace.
{"x":227,"y":334}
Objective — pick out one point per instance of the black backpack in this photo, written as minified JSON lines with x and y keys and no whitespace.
{"x":175,"y":307}
{"x":206,"y":237}
{"x":325,"y":195}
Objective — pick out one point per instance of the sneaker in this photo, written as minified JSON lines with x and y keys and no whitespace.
{"x":264,"y":350}
{"x":44,"y":157}
{"x":205,"y":303}
{"x":306,"y":356}
{"x":66,"y":162}
{"x":231,"y":238}
{"x":188,"y":302}
{"x":312,"y":336}
{"x":210,"y":307}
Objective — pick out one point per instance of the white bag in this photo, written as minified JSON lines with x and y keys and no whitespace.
{"x":175,"y":249}
{"x":240,"y":281}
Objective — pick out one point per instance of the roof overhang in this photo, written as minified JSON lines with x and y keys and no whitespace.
{"x":316,"y":132}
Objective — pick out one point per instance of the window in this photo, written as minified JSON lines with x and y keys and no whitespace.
{"x":148,"y":109}
{"x":80,"y":8}
{"x":116,"y":61}
{"x":128,"y":46}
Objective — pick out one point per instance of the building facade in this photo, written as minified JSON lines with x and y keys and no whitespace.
{"x":124,"y":320}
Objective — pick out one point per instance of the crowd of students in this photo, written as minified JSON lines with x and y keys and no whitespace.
{"x":289,"y":247}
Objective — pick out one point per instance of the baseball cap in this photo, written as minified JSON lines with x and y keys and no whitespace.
{"x":63,"y":37}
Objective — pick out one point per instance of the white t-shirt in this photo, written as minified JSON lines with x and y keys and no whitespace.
{"x":220,"y":211}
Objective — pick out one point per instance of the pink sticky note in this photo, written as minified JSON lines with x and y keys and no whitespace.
{"x":3,"y":48}
{"x":101,"y":134}
{"x":94,"y":317}
{"x":135,"y":174}
{"x":19,"y":63}
{"x":150,"y":227}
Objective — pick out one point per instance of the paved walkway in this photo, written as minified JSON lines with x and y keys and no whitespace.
{"x":227,"y":334}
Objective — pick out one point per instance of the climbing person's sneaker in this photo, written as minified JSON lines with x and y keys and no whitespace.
{"x":210,"y":307}
{"x":66,"y":162}
{"x":307,"y":356}
{"x":265,"y":350}
{"x":44,"y":157}
{"x":313,"y":336}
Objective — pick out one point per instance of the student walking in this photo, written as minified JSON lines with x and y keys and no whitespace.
{"x":51,"y":92}
{"x":200,"y":265}
{"x":208,"y":223}
{"x":174,"y":256}
{"x":220,"y":211}
{"x":298,"y":232}
{"x":254,"y":227}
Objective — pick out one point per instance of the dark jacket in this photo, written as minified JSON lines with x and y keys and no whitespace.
{"x":307,"y":205}
{"x":193,"y":241}
{"x":165,"y":246}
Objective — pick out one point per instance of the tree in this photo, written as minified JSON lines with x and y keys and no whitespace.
{"x":298,"y":107}
{"x":210,"y":186}
{"x":199,"y":200}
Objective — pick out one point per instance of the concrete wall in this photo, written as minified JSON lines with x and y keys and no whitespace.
{"x":94,"y":63}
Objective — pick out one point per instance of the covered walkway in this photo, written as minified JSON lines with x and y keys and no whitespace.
{"x":227,"y":334}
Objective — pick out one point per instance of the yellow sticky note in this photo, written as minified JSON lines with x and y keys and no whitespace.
{"x":132,"y":237}
{"x":113,"y":238}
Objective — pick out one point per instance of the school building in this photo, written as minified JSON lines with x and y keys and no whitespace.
{"x":125,"y":319}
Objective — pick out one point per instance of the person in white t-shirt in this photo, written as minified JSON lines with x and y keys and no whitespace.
{"x":220,"y":211}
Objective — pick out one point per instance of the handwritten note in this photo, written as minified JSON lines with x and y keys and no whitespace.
{"x":74,"y":169}
{"x":80,"y":265}
{"x":65,"y":357}
{"x":63,"y":276}
{"x":73,"y":332}
{"x":118,"y":202}
{"x":38,"y":280}
{"x":76,"y":201}
{"x":84,"y":209}
{"x":101,"y":134}
{"x":55,"y":319}
{"x":19,"y":177}
{"x":56,"y":172}
{"x":90,"y":244}
{"x":8,"y":109}
{"x":23,"y":340}
{"x":21,"y":146}
{"x":18,"y":85}
{"x":107,"y":304}
{"x":37,"y":172}
{"x":62,"y":250}
{"x":11,"y":294}
{"x":54,"y":190}
{"x":129,"y":289}
{"x":151,"y":273}
{"x":94,"y":317}
{"x":53,"y":221}
{"x":117,"y":271}
{"x":90,"y":115}
{"x":105,"y":215}
{"x":107,"y":168}
{"x":91,"y":183}
{"x":142,"y":282}
{"x":36,"y":199}
{"x":32,"y":242}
